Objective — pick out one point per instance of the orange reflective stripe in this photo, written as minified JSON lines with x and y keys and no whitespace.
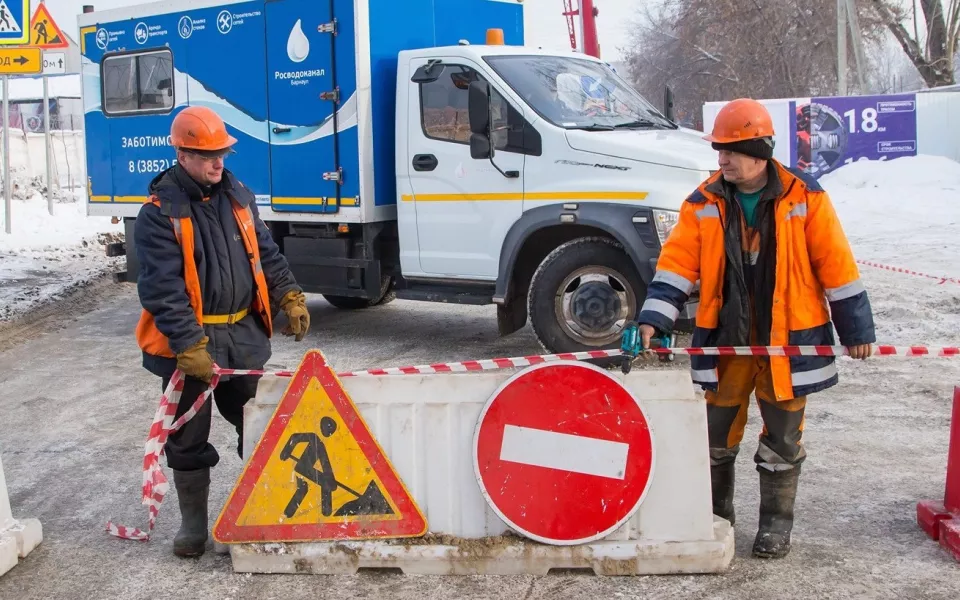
{"x":261,"y":301}
{"x":190,"y":276}
{"x":150,"y":339}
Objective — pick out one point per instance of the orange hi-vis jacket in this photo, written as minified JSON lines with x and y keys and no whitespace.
{"x":150,"y":339}
{"x":814,"y":266}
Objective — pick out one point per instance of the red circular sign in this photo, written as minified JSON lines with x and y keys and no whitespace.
{"x":563,"y":453}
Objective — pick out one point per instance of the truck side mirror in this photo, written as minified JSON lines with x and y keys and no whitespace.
{"x":480,"y":146}
{"x":479,"y":108}
{"x":481,"y":141}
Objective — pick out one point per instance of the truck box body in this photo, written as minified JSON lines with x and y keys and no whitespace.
{"x":398,"y":151}
{"x":269,"y":70}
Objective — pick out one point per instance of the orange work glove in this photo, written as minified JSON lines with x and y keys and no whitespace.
{"x":294,"y":305}
{"x":196,"y":362}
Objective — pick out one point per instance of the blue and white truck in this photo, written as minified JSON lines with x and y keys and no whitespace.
{"x":396,"y":150}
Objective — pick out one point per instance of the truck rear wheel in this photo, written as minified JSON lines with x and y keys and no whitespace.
{"x":583,"y":294}
{"x":387,"y":295}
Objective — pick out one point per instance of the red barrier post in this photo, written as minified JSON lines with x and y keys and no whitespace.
{"x":941,"y":520}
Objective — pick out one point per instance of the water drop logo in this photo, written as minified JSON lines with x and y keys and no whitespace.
{"x":185,"y":27}
{"x":298,"y":46}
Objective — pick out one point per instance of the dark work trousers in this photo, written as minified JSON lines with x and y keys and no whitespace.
{"x":780,"y":446}
{"x":188,"y":449}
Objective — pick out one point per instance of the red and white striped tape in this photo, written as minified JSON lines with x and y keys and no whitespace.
{"x":155,"y":485}
{"x":939,"y":278}
{"x":526,"y":361}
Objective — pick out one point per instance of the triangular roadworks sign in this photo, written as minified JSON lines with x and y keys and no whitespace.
{"x":44,"y":31}
{"x":317,"y":473}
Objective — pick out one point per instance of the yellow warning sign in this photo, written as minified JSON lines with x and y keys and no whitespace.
{"x":44,"y":31}
{"x":317,"y":473}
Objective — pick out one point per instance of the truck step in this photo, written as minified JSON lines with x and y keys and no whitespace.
{"x":429,"y":293}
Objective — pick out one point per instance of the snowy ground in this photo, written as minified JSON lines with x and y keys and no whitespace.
{"x":877,"y":442}
{"x":905,"y":213}
{"x":47,"y":256}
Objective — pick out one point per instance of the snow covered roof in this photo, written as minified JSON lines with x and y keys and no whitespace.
{"x":31,"y":88}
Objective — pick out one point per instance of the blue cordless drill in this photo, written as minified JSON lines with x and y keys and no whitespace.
{"x":631,"y":345}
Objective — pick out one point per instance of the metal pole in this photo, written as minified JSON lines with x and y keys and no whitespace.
{"x":47,"y":143}
{"x":854,"y":21}
{"x":841,"y":48}
{"x":7,"y":198}
{"x":588,"y":23}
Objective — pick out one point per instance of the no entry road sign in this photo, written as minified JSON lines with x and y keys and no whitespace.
{"x":563,"y":453}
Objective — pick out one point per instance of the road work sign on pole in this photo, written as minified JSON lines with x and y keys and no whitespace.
{"x":563,"y":453}
{"x":44,"y":31}
{"x":317,"y":473}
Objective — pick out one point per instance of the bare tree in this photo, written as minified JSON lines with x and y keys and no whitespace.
{"x":935,"y":57}
{"x":718,"y":49}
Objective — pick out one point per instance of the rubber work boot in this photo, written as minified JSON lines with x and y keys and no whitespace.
{"x":778,"y":490}
{"x":193,"y":488}
{"x":721,"y":480}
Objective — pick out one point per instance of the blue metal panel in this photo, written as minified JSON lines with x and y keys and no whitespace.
{"x":126,"y":152}
{"x":413,"y":24}
{"x":300,"y":68}
{"x":348,"y":136}
{"x":470,"y":19}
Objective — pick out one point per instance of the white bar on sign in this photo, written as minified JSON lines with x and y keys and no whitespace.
{"x":552,"y":450}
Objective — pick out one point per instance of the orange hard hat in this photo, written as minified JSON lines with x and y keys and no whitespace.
{"x":200,"y":128}
{"x":741,"y":119}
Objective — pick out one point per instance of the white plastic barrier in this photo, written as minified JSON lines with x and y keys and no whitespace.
{"x":17,"y":538}
{"x":425,"y":424}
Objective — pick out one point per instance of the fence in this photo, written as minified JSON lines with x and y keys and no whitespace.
{"x":28,"y":156}
{"x":820,"y":135}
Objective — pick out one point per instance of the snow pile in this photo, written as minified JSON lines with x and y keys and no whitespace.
{"x":905,"y":213}
{"x":47,"y":256}
{"x":34,"y":229}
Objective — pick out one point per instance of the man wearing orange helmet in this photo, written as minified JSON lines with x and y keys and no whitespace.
{"x":210,"y":282}
{"x":770,"y":255}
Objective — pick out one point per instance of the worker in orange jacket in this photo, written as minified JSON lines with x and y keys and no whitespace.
{"x":770,"y":255}
{"x":211,"y":282}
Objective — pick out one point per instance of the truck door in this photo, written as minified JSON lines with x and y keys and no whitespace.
{"x":464,"y":207}
{"x":302,"y":101}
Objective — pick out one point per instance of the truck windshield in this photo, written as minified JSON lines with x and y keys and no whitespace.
{"x":577,"y":94}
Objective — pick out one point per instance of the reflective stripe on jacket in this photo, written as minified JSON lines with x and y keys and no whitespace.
{"x":814,"y":267}
{"x":206,"y":251}
{"x":151,"y":340}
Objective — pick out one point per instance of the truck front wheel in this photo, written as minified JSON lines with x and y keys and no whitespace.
{"x":582,"y":295}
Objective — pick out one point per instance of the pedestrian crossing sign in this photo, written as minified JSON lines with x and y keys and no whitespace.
{"x":14,"y":26}
{"x":317,"y":473}
{"x":44,"y":31}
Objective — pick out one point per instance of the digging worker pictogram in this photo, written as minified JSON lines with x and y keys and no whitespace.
{"x":211,"y":282}
{"x":770,"y":254}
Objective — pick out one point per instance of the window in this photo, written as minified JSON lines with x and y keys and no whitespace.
{"x":575,"y":93}
{"x":137,"y":83}
{"x":445,"y":114}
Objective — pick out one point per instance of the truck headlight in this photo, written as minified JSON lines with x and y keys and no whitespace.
{"x":665,"y":221}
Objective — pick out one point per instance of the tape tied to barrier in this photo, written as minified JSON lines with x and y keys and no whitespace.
{"x":156,"y":486}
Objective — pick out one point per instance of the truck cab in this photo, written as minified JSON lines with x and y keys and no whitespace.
{"x":416,"y":150}
{"x":544,"y":176}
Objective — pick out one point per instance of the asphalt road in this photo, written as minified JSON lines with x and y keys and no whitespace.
{"x":75,"y":406}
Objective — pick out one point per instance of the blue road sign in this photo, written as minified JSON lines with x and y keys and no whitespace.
{"x":14,"y":22}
